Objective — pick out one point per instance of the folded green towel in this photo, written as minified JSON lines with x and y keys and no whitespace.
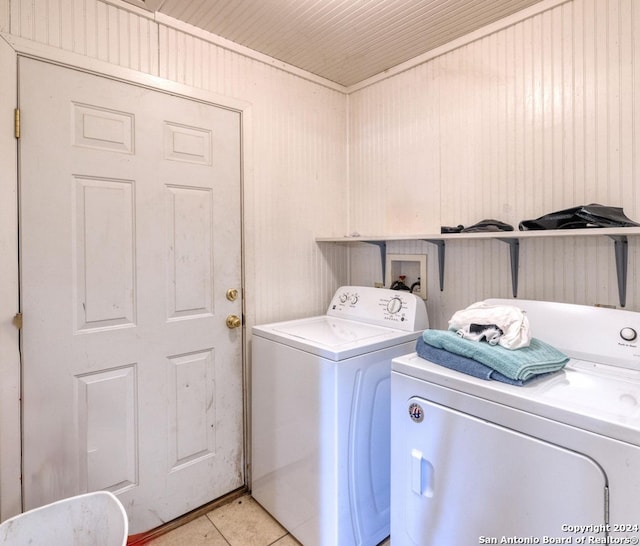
{"x":518,"y":364}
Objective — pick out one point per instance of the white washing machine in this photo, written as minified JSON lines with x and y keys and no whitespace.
{"x":556,"y":461}
{"x":320,"y":393}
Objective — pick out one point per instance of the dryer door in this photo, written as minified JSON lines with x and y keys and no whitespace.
{"x":461,"y":480}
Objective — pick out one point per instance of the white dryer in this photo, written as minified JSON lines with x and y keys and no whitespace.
{"x":556,"y":461}
{"x":320,"y":402}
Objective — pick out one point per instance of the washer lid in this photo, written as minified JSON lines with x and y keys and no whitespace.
{"x":332,"y":337}
{"x":596,"y":397}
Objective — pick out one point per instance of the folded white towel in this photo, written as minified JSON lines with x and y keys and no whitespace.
{"x":508,"y":318}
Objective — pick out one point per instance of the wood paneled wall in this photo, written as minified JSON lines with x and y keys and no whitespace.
{"x":537,"y":117}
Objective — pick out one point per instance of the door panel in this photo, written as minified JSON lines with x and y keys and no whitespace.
{"x":458,"y":477}
{"x":130,"y":238}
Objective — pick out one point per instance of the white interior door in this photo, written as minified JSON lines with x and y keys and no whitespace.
{"x":130,"y":239}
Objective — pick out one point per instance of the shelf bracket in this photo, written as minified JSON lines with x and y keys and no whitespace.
{"x":440,"y":244}
{"x":382,"y":245}
{"x":514,"y":255}
{"x":621,"y":249}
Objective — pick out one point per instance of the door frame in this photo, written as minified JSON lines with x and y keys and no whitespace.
{"x":11,"y":48}
{"x":10,"y":452}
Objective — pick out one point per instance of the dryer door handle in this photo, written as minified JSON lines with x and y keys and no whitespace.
{"x":422,"y":474}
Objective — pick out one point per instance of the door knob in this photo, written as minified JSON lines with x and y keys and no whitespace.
{"x":233,"y":321}
{"x":232,"y":294}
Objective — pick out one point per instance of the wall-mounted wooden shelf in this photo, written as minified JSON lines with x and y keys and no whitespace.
{"x":512,"y":238}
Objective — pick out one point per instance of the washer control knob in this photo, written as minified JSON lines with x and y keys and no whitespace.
{"x":628,"y":334}
{"x":394,"y":305}
{"x":343,"y":298}
{"x":354,"y":299}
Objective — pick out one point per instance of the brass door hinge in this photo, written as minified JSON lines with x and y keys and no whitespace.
{"x":17,"y":321}
{"x":16,"y":122}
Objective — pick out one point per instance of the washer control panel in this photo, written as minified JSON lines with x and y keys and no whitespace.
{"x":393,"y":308}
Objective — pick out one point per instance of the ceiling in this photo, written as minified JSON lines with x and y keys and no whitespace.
{"x":345,"y":41}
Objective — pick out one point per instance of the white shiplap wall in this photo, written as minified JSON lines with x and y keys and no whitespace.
{"x":296,"y":180}
{"x":536,"y":117}
{"x":394,"y":155}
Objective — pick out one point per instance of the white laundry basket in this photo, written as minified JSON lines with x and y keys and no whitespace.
{"x":92,"y":519}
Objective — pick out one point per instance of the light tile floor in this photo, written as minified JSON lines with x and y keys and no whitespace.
{"x":242,"y":522}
